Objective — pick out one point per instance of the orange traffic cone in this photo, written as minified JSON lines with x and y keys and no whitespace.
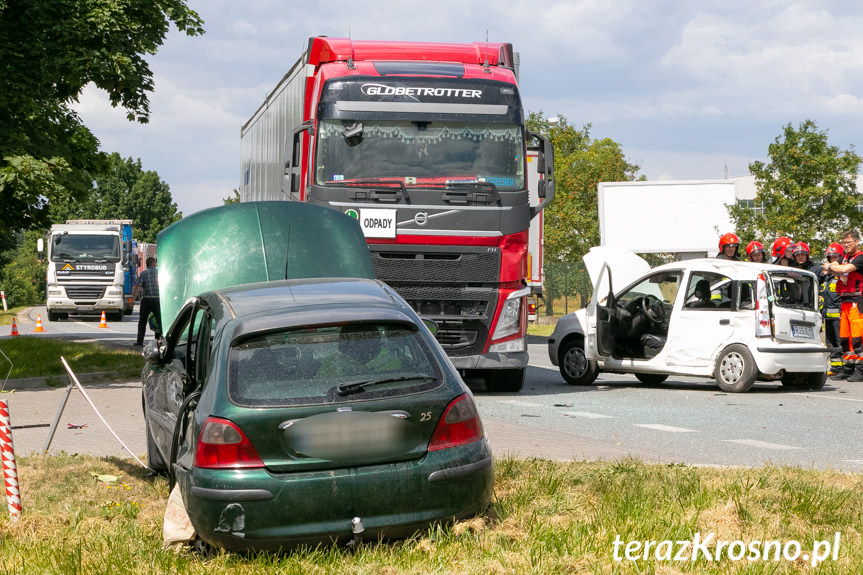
{"x":38,"y":323}
{"x":103,"y":323}
{"x":14,"y":327}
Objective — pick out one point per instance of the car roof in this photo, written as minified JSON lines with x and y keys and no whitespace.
{"x":730,"y":268}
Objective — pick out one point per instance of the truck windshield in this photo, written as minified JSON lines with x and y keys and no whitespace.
{"x":420,"y":154}
{"x":85,"y":247}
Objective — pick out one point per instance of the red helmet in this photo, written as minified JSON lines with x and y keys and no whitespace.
{"x":754,"y":247}
{"x":835,"y":249}
{"x":729,"y":239}
{"x":798,"y":248}
{"x":779,"y":246}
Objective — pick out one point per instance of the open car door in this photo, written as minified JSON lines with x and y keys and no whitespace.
{"x":600,"y":317}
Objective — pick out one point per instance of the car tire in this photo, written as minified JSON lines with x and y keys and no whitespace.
{"x":735,"y":369}
{"x":505,"y":380}
{"x":154,"y":460}
{"x":574,"y":366}
{"x":651,"y":378}
{"x":813,"y":381}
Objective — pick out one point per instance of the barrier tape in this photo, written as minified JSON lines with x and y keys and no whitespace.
{"x":10,"y":471}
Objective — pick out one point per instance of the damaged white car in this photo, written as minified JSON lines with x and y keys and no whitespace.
{"x":737,"y":322}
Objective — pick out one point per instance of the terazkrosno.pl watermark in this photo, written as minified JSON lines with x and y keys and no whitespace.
{"x":709,"y":548}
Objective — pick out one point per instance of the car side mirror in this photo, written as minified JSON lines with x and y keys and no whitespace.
{"x":152,"y":353}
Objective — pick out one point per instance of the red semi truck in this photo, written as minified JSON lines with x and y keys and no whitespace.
{"x":425,"y":144}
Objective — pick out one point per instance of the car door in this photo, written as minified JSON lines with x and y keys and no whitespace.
{"x":600,"y":317}
{"x":705,"y":321}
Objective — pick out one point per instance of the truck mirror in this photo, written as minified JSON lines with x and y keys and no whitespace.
{"x":40,"y":249}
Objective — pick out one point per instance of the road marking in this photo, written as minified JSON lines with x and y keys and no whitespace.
{"x":835,"y":398}
{"x":857,"y":461}
{"x":760,"y":444}
{"x":588,"y":415}
{"x":660,"y":427}
{"x":520,"y":403}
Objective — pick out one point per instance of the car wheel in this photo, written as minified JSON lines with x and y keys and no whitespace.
{"x":508,"y":380}
{"x":154,"y":460}
{"x":574,"y":366}
{"x":812,"y":381}
{"x":651,"y":378}
{"x":735,"y":369}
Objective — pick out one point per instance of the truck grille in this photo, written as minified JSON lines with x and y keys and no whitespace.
{"x":91,"y":293}
{"x":440,"y":265}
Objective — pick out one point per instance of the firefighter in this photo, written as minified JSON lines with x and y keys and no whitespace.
{"x":778,"y":250}
{"x":799,"y":259}
{"x":830,"y":306}
{"x":728,"y":245}
{"x":850,"y":288}
{"x":755,"y":252}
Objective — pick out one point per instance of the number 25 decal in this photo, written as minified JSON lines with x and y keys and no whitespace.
{"x":425,"y":416}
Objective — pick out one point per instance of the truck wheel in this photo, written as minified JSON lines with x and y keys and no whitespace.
{"x":53,"y":316}
{"x":812,"y":381}
{"x":118,"y":316}
{"x":735,"y":369}
{"x":508,"y":380}
{"x":651,"y":378}
{"x":574,"y":366}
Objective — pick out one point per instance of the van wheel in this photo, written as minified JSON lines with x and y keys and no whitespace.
{"x":812,"y":381}
{"x":651,"y":378}
{"x":735,"y":369}
{"x":574,"y":366}
{"x":507,"y":380}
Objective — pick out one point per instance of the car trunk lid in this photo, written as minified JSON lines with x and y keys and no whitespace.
{"x":793,"y":298}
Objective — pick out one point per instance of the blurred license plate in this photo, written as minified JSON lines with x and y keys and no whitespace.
{"x":802,"y":331}
{"x":85,"y":308}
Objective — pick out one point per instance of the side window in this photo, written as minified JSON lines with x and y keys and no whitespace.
{"x":205,"y":346}
{"x":745,"y":295}
{"x":708,"y":291}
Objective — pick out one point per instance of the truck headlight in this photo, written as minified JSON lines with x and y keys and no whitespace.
{"x":55,"y":292}
{"x":113,"y":292}
{"x":510,"y":315}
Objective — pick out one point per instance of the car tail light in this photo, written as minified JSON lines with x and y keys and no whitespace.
{"x":223,"y":445}
{"x":763,"y":321}
{"x":459,"y":425}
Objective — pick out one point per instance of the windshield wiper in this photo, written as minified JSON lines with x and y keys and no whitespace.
{"x":358,"y":386}
{"x":363,"y":181}
{"x":471,"y":184}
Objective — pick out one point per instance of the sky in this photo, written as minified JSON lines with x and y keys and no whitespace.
{"x":690,"y":90}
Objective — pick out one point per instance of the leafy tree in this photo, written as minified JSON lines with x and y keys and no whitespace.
{"x":807,"y":190}
{"x":50,"y":50}
{"x":572,"y":218}
{"x":234,"y":199}
{"x":23,"y":278}
{"x":125,"y":191}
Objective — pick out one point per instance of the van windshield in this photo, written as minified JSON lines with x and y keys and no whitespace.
{"x":794,"y":290}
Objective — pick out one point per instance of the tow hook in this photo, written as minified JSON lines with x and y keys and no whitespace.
{"x":357,"y":528}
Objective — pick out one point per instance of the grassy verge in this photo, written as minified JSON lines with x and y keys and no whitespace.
{"x":6,"y":316}
{"x":547,"y":517}
{"x":40,"y":357}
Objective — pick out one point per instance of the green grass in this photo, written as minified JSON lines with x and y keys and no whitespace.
{"x":40,"y":357}
{"x":547,"y":517}
{"x":540,"y":330}
{"x":6,"y":316}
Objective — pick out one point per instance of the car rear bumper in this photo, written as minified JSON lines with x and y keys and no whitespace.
{"x":259,"y":510}
{"x":772,"y":359}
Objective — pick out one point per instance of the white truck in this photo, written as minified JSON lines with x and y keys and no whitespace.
{"x":91,"y":268}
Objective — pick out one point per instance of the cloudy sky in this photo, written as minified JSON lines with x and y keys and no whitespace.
{"x":691,"y":90}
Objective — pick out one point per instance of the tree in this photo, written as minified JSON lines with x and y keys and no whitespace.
{"x":125,"y":191}
{"x":50,"y":50}
{"x":23,"y":277}
{"x":235,"y":199}
{"x":572,"y":218}
{"x":807,"y":190}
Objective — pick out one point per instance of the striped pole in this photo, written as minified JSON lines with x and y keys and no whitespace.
{"x":10,"y":472}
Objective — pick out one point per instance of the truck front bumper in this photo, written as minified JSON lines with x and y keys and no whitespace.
{"x":89,"y":307}
{"x":493,"y":359}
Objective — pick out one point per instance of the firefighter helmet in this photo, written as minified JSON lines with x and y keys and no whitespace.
{"x":799,"y":248}
{"x":754,"y":247}
{"x":779,"y":246}
{"x":729,"y":239}
{"x":835,"y":249}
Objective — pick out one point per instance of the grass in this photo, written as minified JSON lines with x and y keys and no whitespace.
{"x":547,"y":517}
{"x":40,"y":357}
{"x":6,"y":316}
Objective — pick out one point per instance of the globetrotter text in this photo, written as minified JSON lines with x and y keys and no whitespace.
{"x":709,"y":548}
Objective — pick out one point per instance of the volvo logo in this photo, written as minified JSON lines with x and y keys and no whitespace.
{"x":421,"y":218}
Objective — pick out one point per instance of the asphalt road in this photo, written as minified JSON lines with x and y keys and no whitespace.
{"x":685,"y":420}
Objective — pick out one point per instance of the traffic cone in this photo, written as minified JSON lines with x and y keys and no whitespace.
{"x":38,"y":327}
{"x":103,"y":323}
{"x":14,"y":327}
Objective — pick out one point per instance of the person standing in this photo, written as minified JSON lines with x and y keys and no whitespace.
{"x":831,"y":306}
{"x":755,"y":252}
{"x":728,"y":245}
{"x":148,"y":286}
{"x":778,"y":250}
{"x":799,"y":253}
{"x":850,"y":288}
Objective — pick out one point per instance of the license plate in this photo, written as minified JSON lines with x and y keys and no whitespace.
{"x":85,"y":308}
{"x":802,"y":331}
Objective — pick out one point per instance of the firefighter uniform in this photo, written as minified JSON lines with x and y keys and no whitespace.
{"x":850,"y":288}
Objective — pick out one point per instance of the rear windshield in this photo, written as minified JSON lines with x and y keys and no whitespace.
{"x":794,"y":290}
{"x":331,"y":364}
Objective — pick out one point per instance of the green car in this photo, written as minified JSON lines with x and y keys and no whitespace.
{"x":310,"y":409}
